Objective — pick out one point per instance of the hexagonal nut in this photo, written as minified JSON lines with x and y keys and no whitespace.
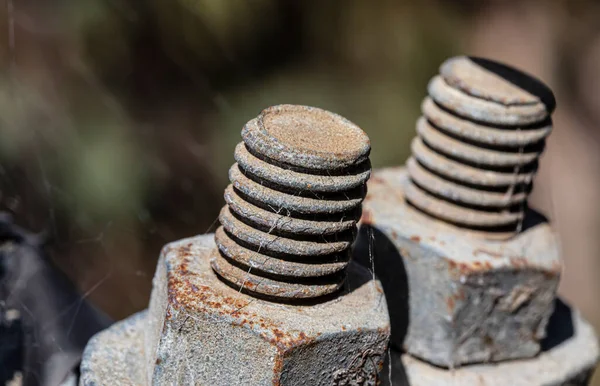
{"x":115,"y":356}
{"x":202,"y":331}
{"x":572,"y":344}
{"x":453,"y":298}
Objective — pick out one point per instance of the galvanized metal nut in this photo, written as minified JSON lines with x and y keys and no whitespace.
{"x":293,"y":204}
{"x":482,"y":131}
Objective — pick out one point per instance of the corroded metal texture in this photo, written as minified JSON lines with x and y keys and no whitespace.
{"x":454,"y":299}
{"x":482,"y":131}
{"x":567,"y":359}
{"x":201,"y":331}
{"x":115,"y":356}
{"x":293,"y":204}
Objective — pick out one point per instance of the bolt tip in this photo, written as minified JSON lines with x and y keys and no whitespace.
{"x":307,"y":137}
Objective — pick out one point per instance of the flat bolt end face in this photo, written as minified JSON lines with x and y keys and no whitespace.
{"x":497,"y":82}
{"x":307,"y":137}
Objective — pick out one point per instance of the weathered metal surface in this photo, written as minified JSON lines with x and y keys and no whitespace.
{"x":483,"y":110}
{"x":201,"y":331}
{"x":473,"y":154}
{"x":306,"y":137}
{"x":293,"y":204}
{"x":453,"y":298}
{"x":280,"y":267}
{"x":489,"y":80}
{"x":115,"y":356}
{"x":496,"y":82}
{"x":482,"y":131}
{"x":463,"y":194}
{"x":269,"y":220}
{"x":266,"y":300}
{"x":291,"y":179}
{"x":288,"y":203}
{"x":568,"y":359}
{"x":469,"y":175}
{"x":444,"y":210}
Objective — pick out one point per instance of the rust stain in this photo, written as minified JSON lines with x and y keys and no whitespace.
{"x":481,"y":251}
{"x":469,"y":268}
{"x":415,"y":238}
{"x":450,"y":303}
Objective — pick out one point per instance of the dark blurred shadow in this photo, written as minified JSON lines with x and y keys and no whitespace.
{"x":375,"y":251}
{"x":393,"y":372}
{"x":532,"y":219}
{"x":560,"y":326}
{"x":55,"y":321}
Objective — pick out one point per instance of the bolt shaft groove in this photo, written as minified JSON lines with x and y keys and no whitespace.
{"x":478,"y":143}
{"x":293,"y":204}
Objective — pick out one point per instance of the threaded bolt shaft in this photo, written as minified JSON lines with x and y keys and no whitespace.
{"x":482,"y":131}
{"x":293,"y":204}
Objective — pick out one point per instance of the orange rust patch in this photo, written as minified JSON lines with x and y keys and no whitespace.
{"x":468,"y":268}
{"x":415,"y":238}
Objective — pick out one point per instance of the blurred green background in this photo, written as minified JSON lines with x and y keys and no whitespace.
{"x":119,"y":117}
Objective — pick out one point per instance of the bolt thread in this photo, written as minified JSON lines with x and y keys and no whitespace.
{"x":289,"y":222}
{"x":478,"y":142}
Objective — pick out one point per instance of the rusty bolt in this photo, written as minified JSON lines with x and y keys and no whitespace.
{"x":293,"y":204}
{"x":267,"y":299}
{"x":470,"y":273}
{"x":482,"y":131}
